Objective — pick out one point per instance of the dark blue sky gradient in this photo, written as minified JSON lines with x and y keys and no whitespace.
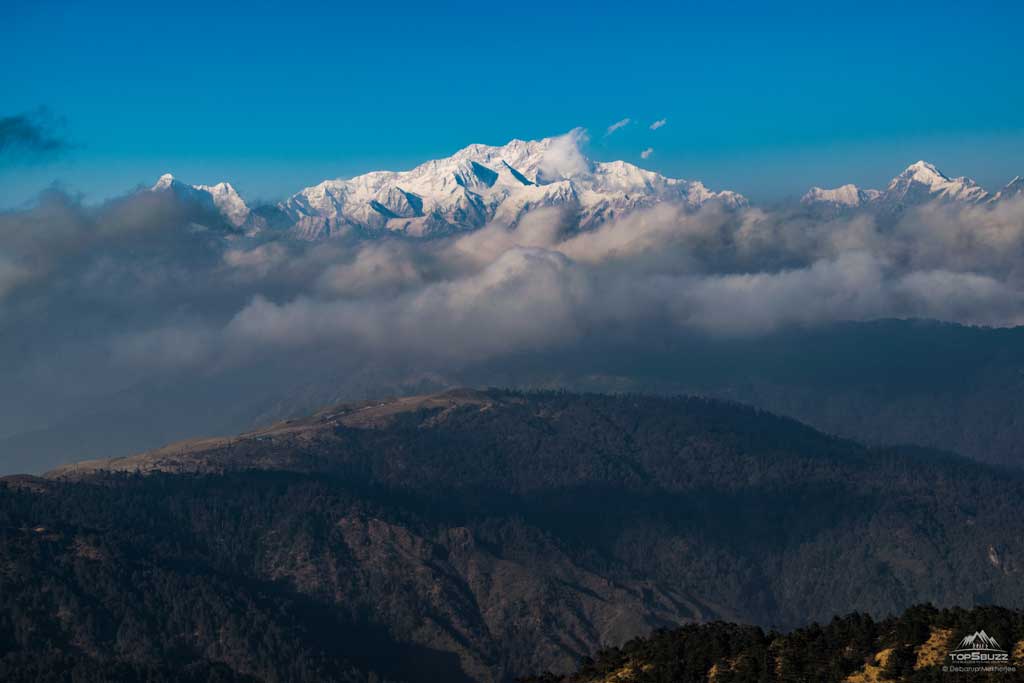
{"x":276,"y":96}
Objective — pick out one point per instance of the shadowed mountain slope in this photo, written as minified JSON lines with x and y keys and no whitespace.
{"x":498,"y":534}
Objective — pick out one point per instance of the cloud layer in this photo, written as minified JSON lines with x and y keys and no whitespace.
{"x":96,"y":301}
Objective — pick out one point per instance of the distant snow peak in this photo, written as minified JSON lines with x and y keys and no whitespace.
{"x":923,"y":172}
{"x":228,"y":202}
{"x":922,"y":181}
{"x":163,"y":182}
{"x":221,"y":197}
{"x":845,"y":195}
{"x":919,"y":183}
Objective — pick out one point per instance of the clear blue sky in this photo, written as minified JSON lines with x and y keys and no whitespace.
{"x":275,"y":96}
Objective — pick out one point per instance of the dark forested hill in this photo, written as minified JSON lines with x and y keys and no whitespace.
{"x":913,"y":647}
{"x":928,"y":383}
{"x":483,"y":536}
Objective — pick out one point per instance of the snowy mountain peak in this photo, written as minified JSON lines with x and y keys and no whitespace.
{"x":848,"y":195}
{"x":228,"y":202}
{"x":482,"y":183}
{"x":222,"y":197}
{"x":922,"y":181}
{"x":163,"y":182}
{"x":923,"y":172}
{"x":223,"y":187}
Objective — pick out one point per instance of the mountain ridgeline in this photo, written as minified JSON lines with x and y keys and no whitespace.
{"x":484,"y":535}
{"x":939,"y":385}
{"x":883,"y":382}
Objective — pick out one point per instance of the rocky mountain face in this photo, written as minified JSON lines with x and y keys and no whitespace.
{"x":488,"y":535}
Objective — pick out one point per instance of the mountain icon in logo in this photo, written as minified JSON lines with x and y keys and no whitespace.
{"x":979,"y":640}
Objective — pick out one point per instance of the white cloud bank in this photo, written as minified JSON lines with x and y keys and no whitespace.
{"x":97,"y":300}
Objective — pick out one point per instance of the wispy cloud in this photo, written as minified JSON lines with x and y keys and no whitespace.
{"x":30,"y":135}
{"x":658,"y":124}
{"x":617,"y":125}
{"x":646,"y":153}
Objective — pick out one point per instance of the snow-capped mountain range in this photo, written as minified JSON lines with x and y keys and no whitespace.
{"x":920,"y":183}
{"x":481,"y":184}
{"x":475,"y":186}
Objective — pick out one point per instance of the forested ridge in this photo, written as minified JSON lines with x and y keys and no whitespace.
{"x":910,"y":648}
{"x":482,"y":536}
